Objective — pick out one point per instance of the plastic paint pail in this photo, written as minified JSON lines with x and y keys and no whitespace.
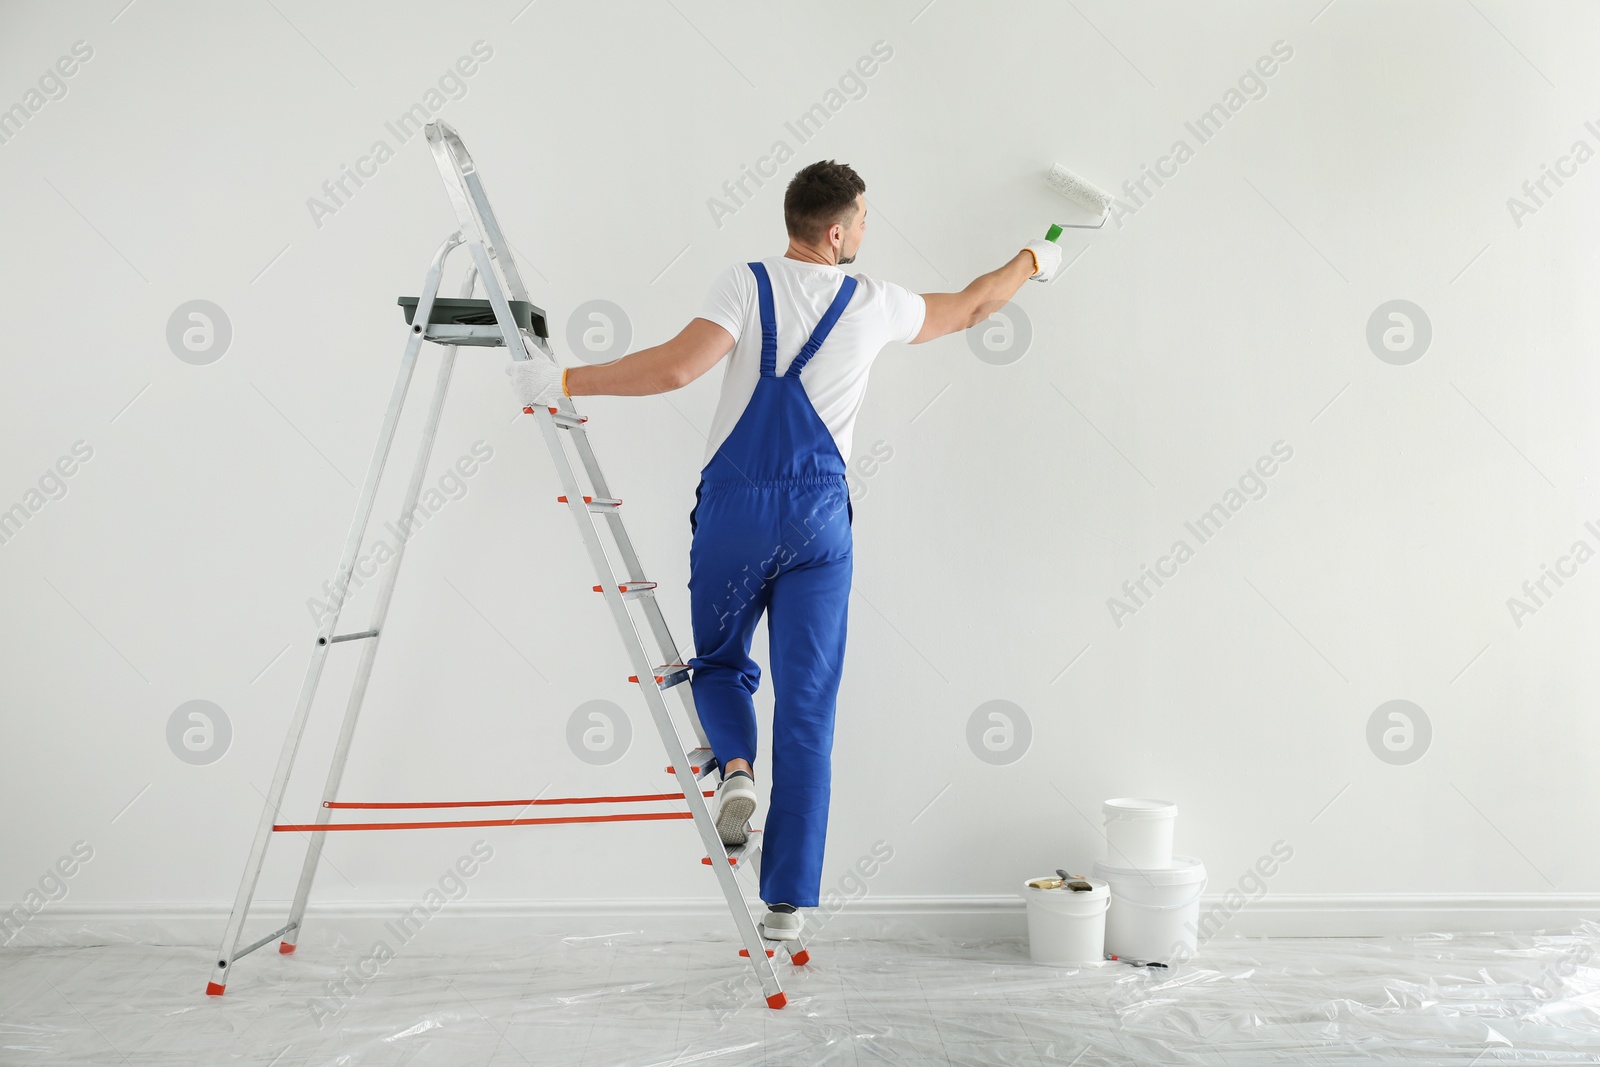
{"x":1154,"y":912}
{"x":1139,"y":831}
{"x":1067,"y":927}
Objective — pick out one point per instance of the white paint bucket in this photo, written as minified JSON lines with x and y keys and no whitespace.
{"x":1067,"y":927}
{"x":1154,"y":912}
{"x":1139,"y":831}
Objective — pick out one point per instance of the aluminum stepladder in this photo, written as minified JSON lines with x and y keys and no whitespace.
{"x":505,"y":318}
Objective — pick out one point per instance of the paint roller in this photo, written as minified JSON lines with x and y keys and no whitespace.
{"x":1080,"y":192}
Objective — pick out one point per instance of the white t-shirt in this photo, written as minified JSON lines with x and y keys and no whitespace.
{"x":835,"y":380}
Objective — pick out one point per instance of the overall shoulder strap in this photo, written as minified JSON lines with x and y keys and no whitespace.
{"x":769,"y":322}
{"x":847,"y":289}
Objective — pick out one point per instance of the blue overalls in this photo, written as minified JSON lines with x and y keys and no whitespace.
{"x":771,"y":526}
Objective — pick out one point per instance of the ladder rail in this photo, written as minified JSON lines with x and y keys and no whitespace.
{"x":670,"y":654}
{"x":597,"y":478}
{"x":319,"y":653}
{"x":711,"y":841}
{"x":464,"y":186}
{"x":630,"y":561}
{"x":491,"y":231}
{"x":636,"y":571}
{"x":654,"y":700}
{"x":456,"y":164}
{"x":510,"y":334}
{"x":666,"y":645}
{"x":377,"y":623}
{"x":637,"y":654}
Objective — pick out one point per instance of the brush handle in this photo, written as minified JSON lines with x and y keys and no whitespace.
{"x":1053,"y":233}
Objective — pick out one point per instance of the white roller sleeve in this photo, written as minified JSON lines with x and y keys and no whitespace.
{"x":1077,"y":190}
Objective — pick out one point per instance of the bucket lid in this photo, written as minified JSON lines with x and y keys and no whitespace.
{"x":1098,"y":889}
{"x":1139,"y":808}
{"x":1185,"y":870}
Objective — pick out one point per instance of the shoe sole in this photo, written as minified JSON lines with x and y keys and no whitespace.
{"x":779,"y":935}
{"x":732,"y":814}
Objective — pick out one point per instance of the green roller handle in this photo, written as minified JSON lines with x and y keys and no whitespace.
{"x":1054,"y":232}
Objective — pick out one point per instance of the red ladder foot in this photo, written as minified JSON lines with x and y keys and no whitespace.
{"x":285,"y":948}
{"x":746,"y":953}
{"x":213,"y":989}
{"x":777,"y":1000}
{"x":802,"y":957}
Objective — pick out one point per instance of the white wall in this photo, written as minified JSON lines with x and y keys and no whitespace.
{"x":1224,"y":313}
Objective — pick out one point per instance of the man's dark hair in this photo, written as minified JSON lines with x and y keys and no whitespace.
{"x":820,"y":195}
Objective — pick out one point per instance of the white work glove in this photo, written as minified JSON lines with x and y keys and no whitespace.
{"x":536,"y":381}
{"x":1049,"y":256}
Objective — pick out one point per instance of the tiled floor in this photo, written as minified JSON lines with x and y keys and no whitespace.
{"x":629,"y":999}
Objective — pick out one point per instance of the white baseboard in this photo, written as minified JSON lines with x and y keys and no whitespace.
{"x":1276,"y":915}
{"x":1373,"y":914}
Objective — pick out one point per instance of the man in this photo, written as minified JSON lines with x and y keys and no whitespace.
{"x":771,"y":521}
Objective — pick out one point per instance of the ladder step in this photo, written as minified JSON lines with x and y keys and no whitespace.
{"x":740,"y":855}
{"x":566,"y":420}
{"x":631,"y":590}
{"x":801,"y":956}
{"x":346,"y":637}
{"x":667,"y":675}
{"x":701,"y":762}
{"x":600,"y":503}
{"x":562,"y":419}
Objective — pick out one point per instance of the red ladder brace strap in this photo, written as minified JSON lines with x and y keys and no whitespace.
{"x":434,"y":825}
{"x":509,"y":803}
{"x":313,"y":827}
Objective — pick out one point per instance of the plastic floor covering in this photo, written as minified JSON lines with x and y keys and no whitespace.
{"x":625,"y":998}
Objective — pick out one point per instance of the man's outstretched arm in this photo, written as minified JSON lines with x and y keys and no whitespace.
{"x":988,"y":293}
{"x":670,"y":365}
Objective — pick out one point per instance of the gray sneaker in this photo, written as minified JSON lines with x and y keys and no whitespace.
{"x":736,"y":802}
{"x":781,"y":925}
